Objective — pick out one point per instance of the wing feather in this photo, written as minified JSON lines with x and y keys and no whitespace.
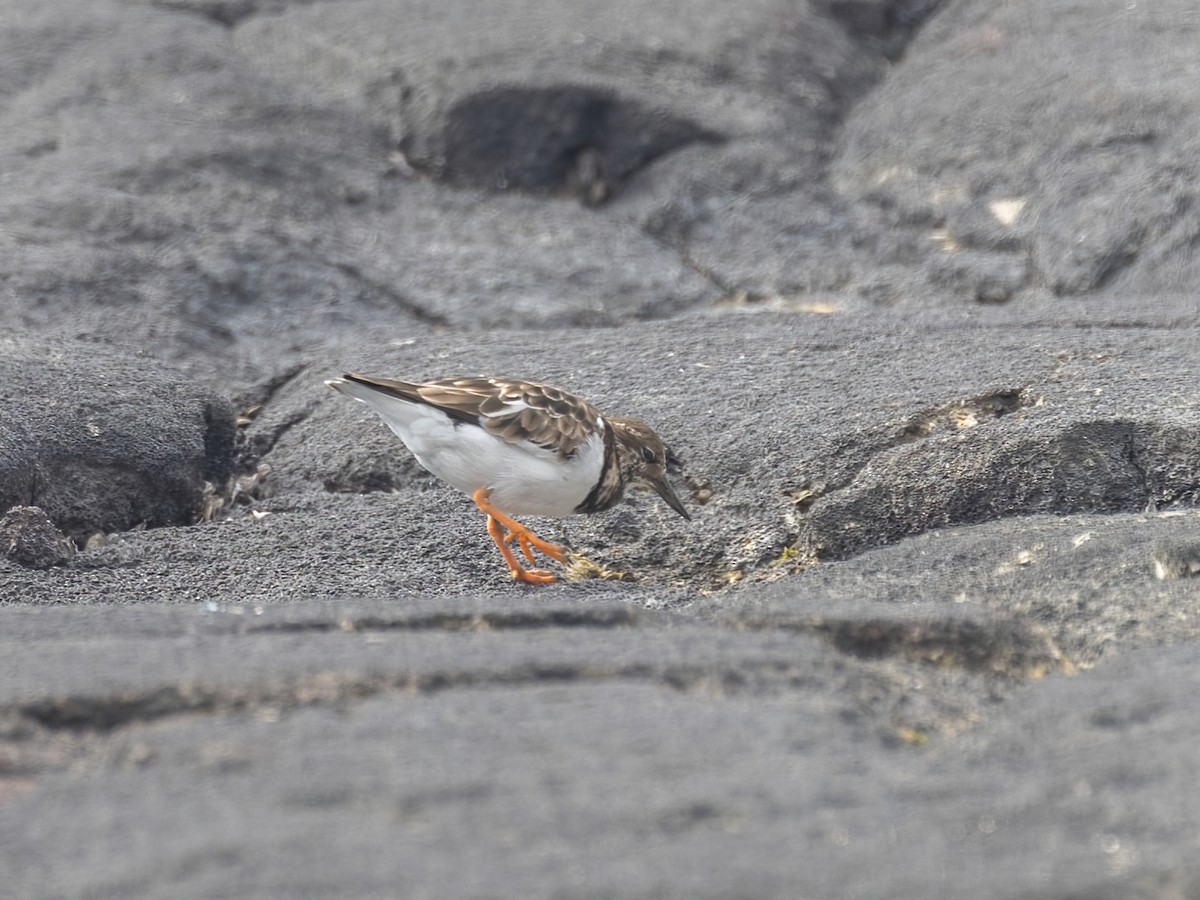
{"x":514,"y":410}
{"x":518,"y":411}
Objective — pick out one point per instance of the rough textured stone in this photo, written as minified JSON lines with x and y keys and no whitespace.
{"x":29,"y":538}
{"x":1077,"y":157}
{"x":909,"y":285}
{"x":102,"y":443}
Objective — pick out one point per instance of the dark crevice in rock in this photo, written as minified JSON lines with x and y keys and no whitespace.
{"x":1006,"y":649}
{"x":890,"y":24}
{"x":23,"y":483}
{"x":416,"y":310}
{"x":106,"y":713}
{"x":575,"y":140}
{"x":226,"y":13}
{"x":110,"y":712}
{"x":220,"y":440}
{"x":678,"y":246}
{"x":1100,"y":324}
{"x":240,"y":481}
{"x":257,"y":445}
{"x":251,"y":402}
{"x":582,"y":617}
{"x":263,"y":443}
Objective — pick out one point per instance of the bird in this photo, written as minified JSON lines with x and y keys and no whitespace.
{"x":519,"y":448}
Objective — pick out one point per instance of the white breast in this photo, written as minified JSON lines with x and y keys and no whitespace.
{"x":524,"y":479}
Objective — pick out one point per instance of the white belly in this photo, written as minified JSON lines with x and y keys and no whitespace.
{"x":524,"y":479}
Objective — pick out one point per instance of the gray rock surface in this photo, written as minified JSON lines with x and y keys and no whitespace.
{"x":909,"y":286}
{"x":103,"y":443}
{"x":1075,"y":167}
{"x":29,"y":538}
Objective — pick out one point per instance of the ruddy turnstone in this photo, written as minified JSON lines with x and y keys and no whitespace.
{"x":518,"y":448}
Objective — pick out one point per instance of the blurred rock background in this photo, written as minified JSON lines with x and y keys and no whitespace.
{"x":911,"y":287}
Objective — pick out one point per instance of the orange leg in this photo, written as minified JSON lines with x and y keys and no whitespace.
{"x":522,"y":540}
{"x":526,"y":540}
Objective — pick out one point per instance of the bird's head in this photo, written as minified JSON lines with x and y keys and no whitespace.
{"x":644,"y":457}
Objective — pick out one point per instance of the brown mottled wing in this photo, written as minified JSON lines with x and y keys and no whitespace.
{"x":517,"y":410}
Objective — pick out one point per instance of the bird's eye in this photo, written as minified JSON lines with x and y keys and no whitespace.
{"x":647,"y":454}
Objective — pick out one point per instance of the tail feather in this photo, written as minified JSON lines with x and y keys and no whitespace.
{"x":399,"y":407}
{"x":362,"y":386}
{"x":373,"y":390}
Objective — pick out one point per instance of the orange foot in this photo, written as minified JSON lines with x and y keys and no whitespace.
{"x":526,"y":540}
